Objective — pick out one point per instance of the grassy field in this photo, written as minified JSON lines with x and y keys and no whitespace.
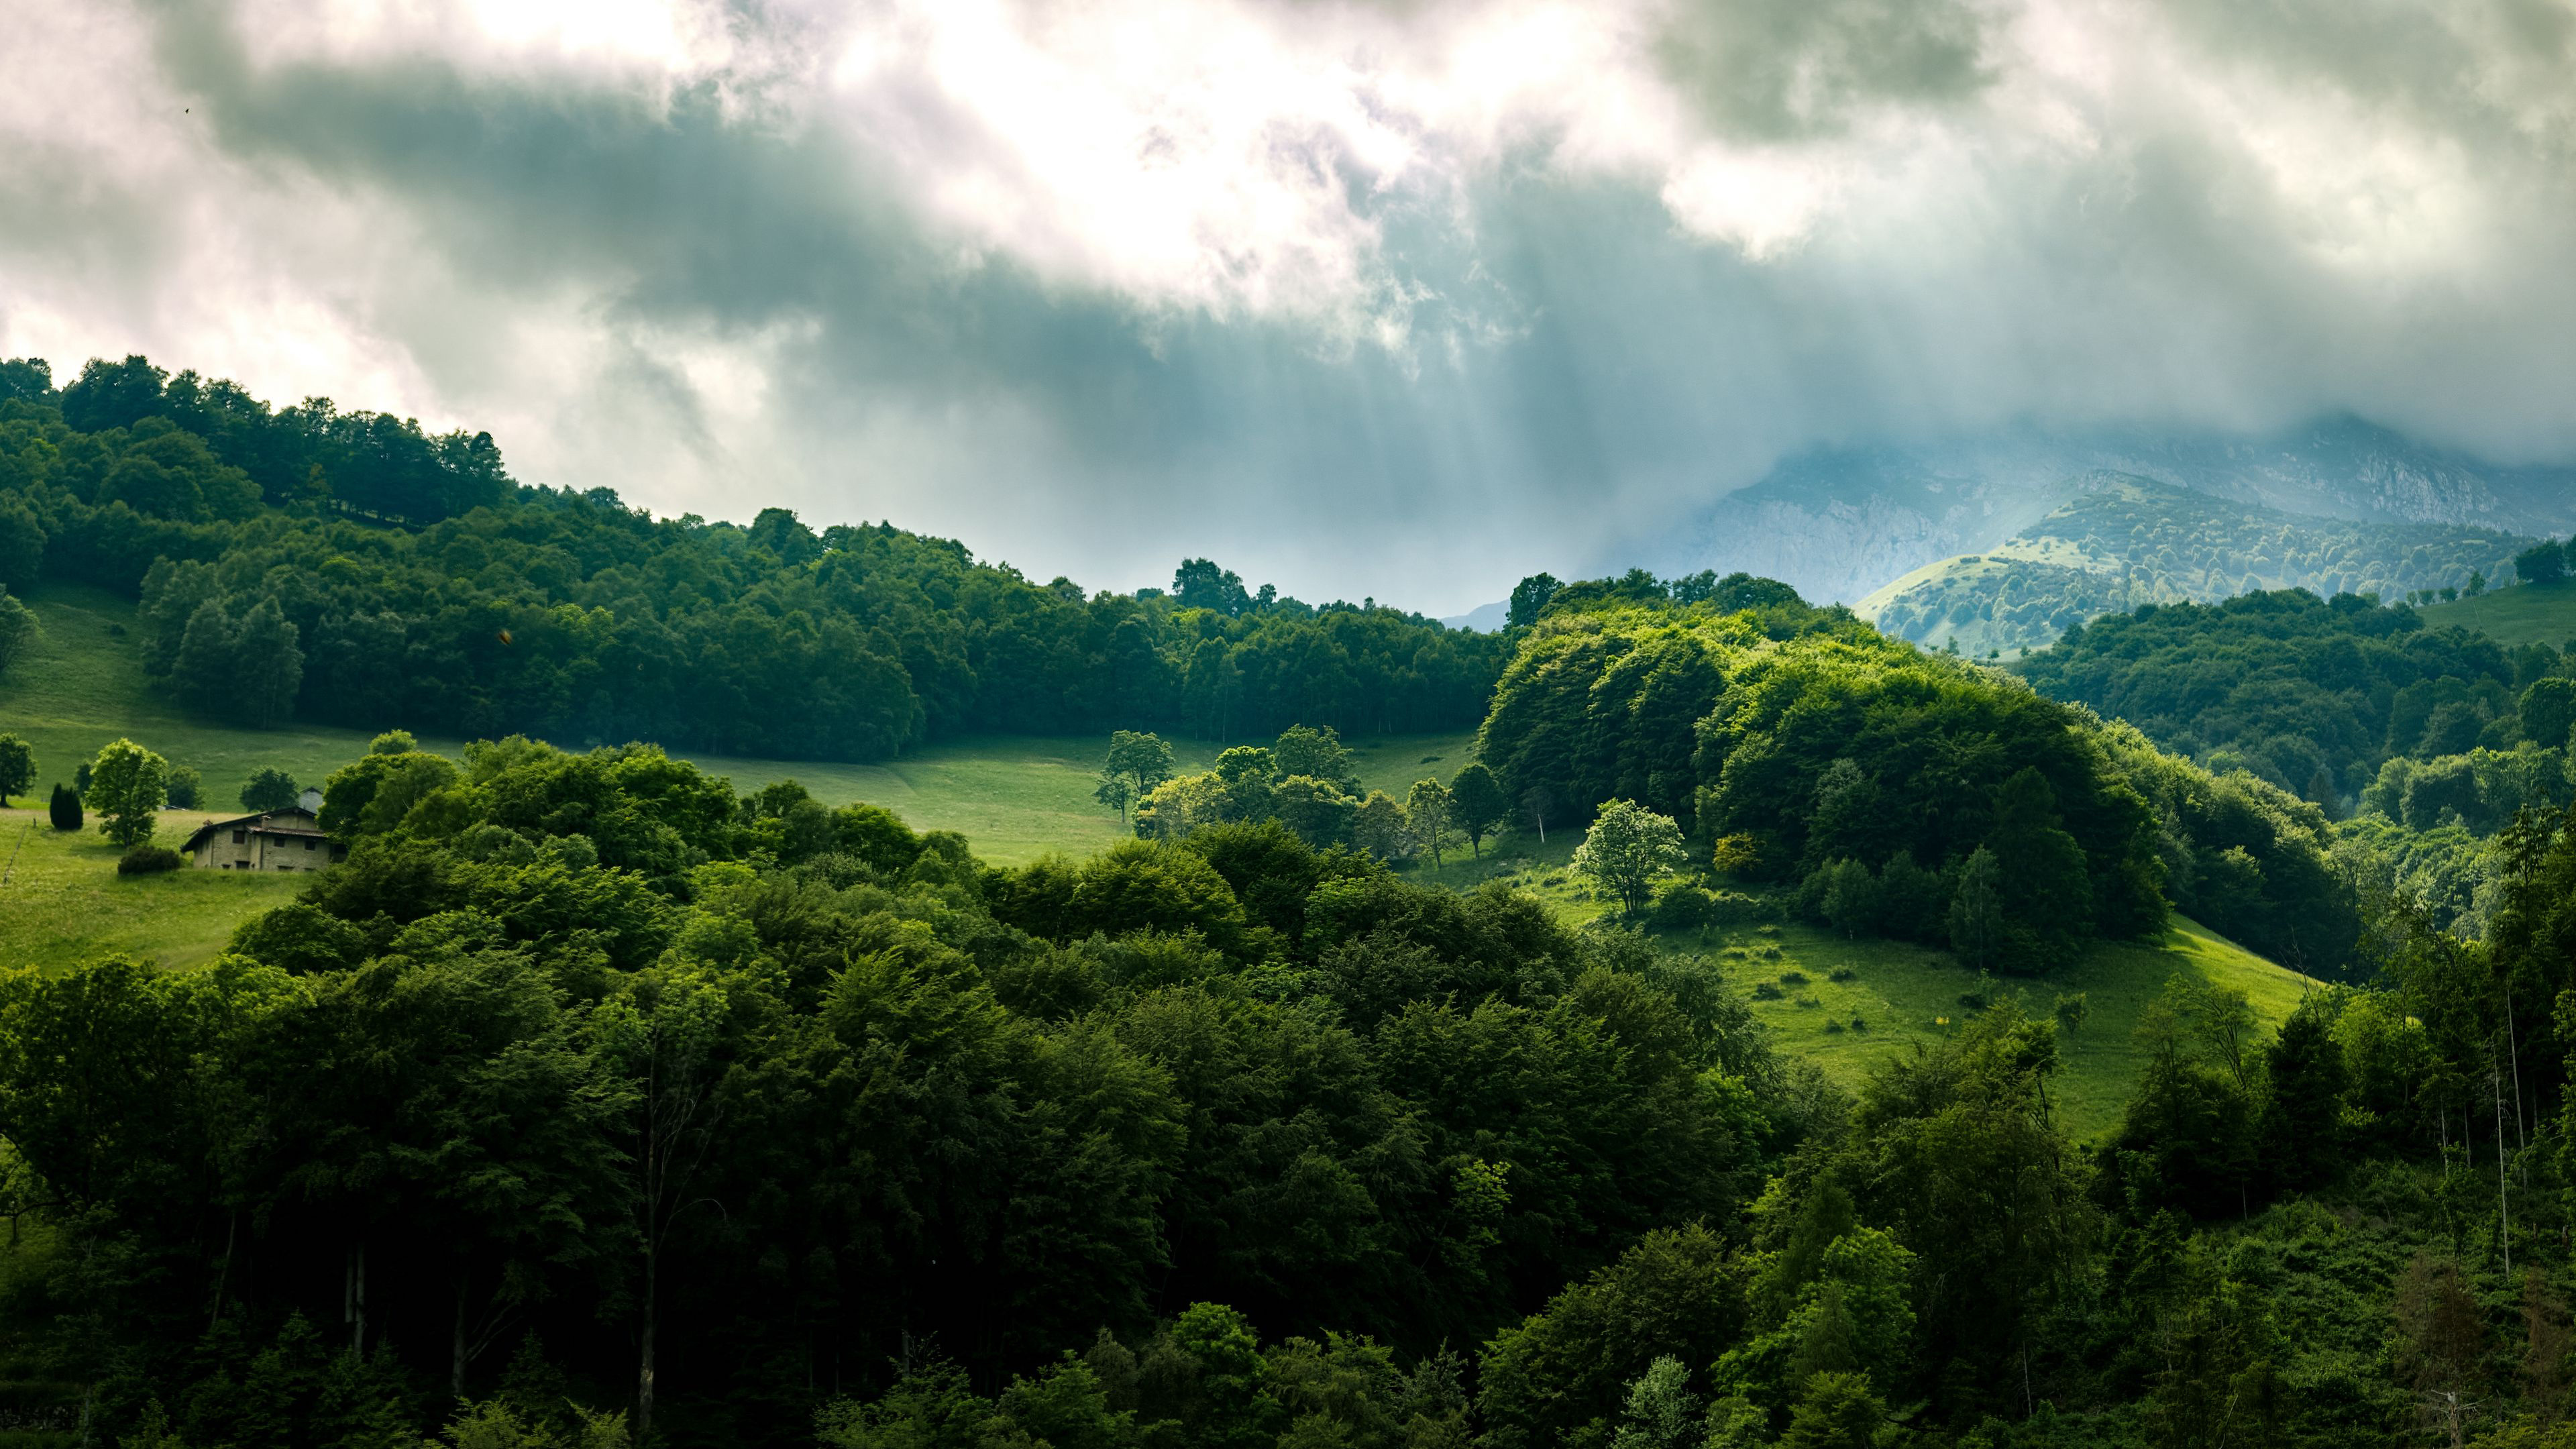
{"x":63,"y":902}
{"x":1015,"y":798}
{"x":1896,"y":994}
{"x":2523,"y":614}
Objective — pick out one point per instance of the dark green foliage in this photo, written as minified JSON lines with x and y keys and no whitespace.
{"x":1479,"y":804}
{"x":63,"y":810}
{"x":2542,"y":563}
{"x":269,"y":788}
{"x":2290,"y":686}
{"x":272,"y":588}
{"x":565,"y":1045}
{"x":1529,"y":597}
{"x":17,"y":767}
{"x":147,"y":859}
{"x":18,"y":630}
{"x":184,"y":788}
{"x":1559,"y":1376}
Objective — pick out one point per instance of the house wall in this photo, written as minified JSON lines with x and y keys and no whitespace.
{"x":261,"y":850}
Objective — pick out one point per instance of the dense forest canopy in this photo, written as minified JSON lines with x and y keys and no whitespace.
{"x":2430,"y":740}
{"x":1802,"y":742}
{"x":348,"y":568}
{"x":588,"y":1099}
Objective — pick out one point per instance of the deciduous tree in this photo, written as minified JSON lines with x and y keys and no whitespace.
{"x":127,"y":784}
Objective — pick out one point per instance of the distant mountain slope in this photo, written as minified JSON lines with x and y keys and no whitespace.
{"x":1838,"y":524}
{"x":2124,"y":540}
{"x":1484,"y":618}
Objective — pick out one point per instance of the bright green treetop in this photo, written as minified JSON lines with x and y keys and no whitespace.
{"x":126,"y":786}
{"x":1628,"y":849}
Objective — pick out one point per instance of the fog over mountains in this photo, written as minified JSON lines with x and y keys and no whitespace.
{"x":1838,"y":523}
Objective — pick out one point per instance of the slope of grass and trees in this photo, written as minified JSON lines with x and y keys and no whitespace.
{"x":347,"y":568}
{"x":2127,"y":541}
{"x":1760,"y":1032}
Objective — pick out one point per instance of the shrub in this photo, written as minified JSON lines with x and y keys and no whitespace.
{"x":1767,"y":991}
{"x":1682,"y":905}
{"x":1793,"y":977}
{"x":1843,"y":973}
{"x":1860,"y":1023}
{"x":184,"y":788}
{"x":147,"y":859}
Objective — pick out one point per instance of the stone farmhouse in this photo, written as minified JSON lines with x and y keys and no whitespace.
{"x":274,"y":840}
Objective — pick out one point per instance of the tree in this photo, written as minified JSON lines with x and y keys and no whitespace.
{"x":1529,"y":598}
{"x":18,"y":631}
{"x":1315,"y":809}
{"x":1115,"y":791}
{"x":2302,"y":1127}
{"x":2548,"y":711}
{"x":1977,"y":912}
{"x":1538,"y":802}
{"x":17,"y":768}
{"x":1853,"y":902}
{"x":1476,"y":803}
{"x":1628,"y":849}
{"x":2542,"y":563}
{"x":64,"y":809}
{"x":659,"y":1036}
{"x":1838,"y":1412}
{"x":127,"y":784}
{"x":269,"y":788}
{"x":268,"y":665}
{"x":1140,"y":760}
{"x":1308,"y":750}
{"x":22,"y":545}
{"x":1428,"y":808}
{"x":1381,"y":827}
{"x":184,"y":787}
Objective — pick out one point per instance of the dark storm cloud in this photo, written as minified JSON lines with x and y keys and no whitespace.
{"x":1403,"y":299}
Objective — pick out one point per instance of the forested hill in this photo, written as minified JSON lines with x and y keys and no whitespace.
{"x":2127,"y":540}
{"x":347,"y":567}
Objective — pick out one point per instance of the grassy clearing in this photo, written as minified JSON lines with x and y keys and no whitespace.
{"x":1015,"y":798}
{"x":1893,"y":994}
{"x":84,"y":686}
{"x":64,"y":903}
{"x":2523,"y":614}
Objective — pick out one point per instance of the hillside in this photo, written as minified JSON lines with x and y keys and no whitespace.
{"x":2523,"y":614}
{"x":1016,"y":797}
{"x":1850,"y":1005}
{"x":2125,"y":540}
{"x":1840,"y":523}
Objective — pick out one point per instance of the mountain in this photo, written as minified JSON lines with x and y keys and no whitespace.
{"x":1484,"y":618}
{"x":1839,"y":523}
{"x":2125,"y":540}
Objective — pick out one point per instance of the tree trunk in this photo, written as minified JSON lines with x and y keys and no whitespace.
{"x":644,"y":1359}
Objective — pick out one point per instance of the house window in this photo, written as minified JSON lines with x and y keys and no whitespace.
{"x":241,"y":837}
{"x":308,"y":842}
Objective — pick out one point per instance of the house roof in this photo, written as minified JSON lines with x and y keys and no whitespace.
{"x":293,"y":821}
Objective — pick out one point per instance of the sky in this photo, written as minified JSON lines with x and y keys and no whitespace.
{"x":1390,"y":298}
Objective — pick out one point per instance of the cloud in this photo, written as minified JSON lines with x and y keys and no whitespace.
{"x":1400,"y":298}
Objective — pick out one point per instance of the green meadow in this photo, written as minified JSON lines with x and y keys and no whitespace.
{"x":1843,"y":1004}
{"x":1016,"y":798}
{"x":2523,"y":614}
{"x":62,"y":901}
